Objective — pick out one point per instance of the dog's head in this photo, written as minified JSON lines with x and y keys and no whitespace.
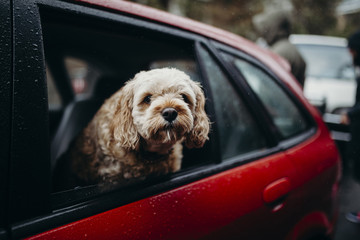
{"x":161,"y":106}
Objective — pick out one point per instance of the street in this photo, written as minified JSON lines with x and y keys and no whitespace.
{"x":349,"y":195}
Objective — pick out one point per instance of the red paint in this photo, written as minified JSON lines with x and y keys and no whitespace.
{"x":308,"y":222}
{"x":227,"y":204}
{"x":188,"y":212}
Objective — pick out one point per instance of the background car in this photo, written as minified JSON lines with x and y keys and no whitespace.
{"x":330,"y":76}
{"x":269,"y":164}
{"x":330,"y":83}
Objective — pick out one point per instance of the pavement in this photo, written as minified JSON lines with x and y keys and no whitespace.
{"x":349,"y":198}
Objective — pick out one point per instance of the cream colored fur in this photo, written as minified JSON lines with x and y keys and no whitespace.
{"x":129,"y":138}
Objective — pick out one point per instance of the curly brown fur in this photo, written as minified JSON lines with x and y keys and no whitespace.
{"x":129,"y":138}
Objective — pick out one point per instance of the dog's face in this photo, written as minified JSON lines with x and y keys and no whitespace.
{"x":163,"y":106}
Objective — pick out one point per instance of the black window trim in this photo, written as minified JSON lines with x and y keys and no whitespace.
{"x":29,"y":142}
{"x":282,"y":143}
{"x":6,"y":84}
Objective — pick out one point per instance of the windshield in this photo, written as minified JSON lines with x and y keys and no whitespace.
{"x":327,"y":61}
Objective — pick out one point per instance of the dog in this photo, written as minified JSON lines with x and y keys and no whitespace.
{"x":141,"y":129}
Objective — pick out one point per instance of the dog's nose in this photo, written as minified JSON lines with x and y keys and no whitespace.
{"x":169,"y":114}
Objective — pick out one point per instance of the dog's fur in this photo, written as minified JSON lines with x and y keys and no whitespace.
{"x":129,"y":138}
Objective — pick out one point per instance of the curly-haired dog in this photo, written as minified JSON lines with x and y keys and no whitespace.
{"x":140,"y":129}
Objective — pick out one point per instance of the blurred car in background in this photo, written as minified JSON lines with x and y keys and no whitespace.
{"x":330,"y":76}
{"x":330,"y":83}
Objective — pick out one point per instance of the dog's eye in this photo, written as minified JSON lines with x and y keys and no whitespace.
{"x":147,"y":99}
{"x":186,"y":99}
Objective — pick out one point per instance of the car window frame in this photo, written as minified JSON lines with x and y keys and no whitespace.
{"x":5,"y":110}
{"x":29,"y":141}
{"x":282,"y":143}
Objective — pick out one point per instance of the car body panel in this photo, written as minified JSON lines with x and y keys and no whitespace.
{"x":194,"y":210}
{"x":235,"y":200}
{"x":301,"y":231}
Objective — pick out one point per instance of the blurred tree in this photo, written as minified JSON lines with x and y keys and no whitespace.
{"x":351,"y":24}
{"x":348,"y":13}
{"x":309,"y":16}
{"x":232,"y":15}
{"x":315,"y":17}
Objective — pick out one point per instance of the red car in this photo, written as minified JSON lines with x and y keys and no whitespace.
{"x":269,"y":171}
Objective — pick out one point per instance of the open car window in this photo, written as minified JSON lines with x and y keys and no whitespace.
{"x":86,"y":64}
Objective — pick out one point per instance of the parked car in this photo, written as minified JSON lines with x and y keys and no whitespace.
{"x":330,"y":79}
{"x":330,"y":76}
{"x":270,"y":169}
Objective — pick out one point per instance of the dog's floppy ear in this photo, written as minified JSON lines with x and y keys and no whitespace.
{"x":199,"y":134}
{"x":122,"y":126}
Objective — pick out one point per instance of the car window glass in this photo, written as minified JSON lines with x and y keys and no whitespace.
{"x":282,"y":109}
{"x":237,"y":129}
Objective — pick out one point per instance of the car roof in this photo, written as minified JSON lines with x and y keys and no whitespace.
{"x":318,"y":40}
{"x":272,"y":60}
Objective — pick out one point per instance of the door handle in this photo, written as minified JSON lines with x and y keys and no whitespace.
{"x":276,"y":191}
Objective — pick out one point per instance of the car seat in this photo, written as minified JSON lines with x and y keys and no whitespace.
{"x":79,"y":113}
{"x":76,"y":116}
